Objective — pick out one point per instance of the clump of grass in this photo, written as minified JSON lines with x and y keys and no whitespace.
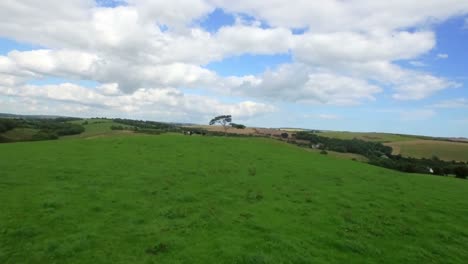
{"x":252,"y":171}
{"x":158,"y":249}
{"x":252,"y":196}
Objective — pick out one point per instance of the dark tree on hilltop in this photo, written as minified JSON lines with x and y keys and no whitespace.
{"x":223,"y":120}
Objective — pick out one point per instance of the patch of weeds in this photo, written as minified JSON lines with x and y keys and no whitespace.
{"x":252,"y":196}
{"x":246,"y":215}
{"x":158,"y":249}
{"x":96,"y":209}
{"x":69,"y":246}
{"x":252,"y":259}
{"x":52,"y":205}
{"x":23,"y":232}
{"x":175,"y":213}
{"x":252,"y":171}
{"x":187,"y":199}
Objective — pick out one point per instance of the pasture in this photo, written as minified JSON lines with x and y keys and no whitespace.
{"x":180,"y":199}
{"x":444,"y":150}
{"x":368,"y":136}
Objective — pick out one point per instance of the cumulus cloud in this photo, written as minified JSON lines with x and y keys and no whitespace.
{"x":359,"y":47}
{"x":143,"y":101}
{"x":418,"y":63}
{"x":453,"y":103}
{"x":353,"y":15}
{"x":303,"y":84}
{"x":442,"y":56}
{"x":346,"y":55}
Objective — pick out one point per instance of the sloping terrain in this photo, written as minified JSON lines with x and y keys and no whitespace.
{"x":181,"y":199}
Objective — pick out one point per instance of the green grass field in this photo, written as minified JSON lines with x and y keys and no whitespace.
{"x":181,"y":199}
{"x":368,"y":136}
{"x":97,"y":128}
{"x":428,"y":148}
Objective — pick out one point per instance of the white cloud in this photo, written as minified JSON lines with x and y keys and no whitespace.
{"x":346,"y":56}
{"x":442,"y":56}
{"x":328,"y":116}
{"x":353,"y":15}
{"x":421,"y":86}
{"x":143,"y":102}
{"x":329,"y":48}
{"x":301,"y":83}
{"x":453,"y":103}
{"x":417,"y":115}
{"x":418,"y":63}
{"x":175,"y":13}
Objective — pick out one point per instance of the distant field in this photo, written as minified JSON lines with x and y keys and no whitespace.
{"x":181,"y":199}
{"x":427,"y":148}
{"x":97,"y":128}
{"x":368,"y":136}
{"x":18,"y":134}
{"x":253,"y":131}
{"x":341,"y":155}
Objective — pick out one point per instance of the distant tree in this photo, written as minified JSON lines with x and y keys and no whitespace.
{"x":439,"y":171}
{"x":223,"y":120}
{"x":284,"y":135}
{"x":461,"y":172}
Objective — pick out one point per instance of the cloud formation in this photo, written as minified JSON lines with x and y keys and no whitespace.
{"x":153,"y":51}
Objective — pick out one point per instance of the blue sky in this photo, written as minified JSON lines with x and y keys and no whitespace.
{"x":330,"y":65}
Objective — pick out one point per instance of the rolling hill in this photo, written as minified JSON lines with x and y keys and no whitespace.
{"x":181,"y":199}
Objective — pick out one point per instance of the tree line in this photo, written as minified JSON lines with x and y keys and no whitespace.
{"x":381,"y":155}
{"x":47,"y":128}
{"x":141,"y":125}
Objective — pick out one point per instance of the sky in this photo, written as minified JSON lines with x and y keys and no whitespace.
{"x":396,"y":66}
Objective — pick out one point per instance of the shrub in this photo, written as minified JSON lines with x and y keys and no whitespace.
{"x":44,"y":135}
{"x":323,"y":152}
{"x":461,"y":172}
{"x":252,"y":171}
{"x":284,"y":135}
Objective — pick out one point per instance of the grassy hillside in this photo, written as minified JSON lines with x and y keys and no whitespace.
{"x":427,"y":148}
{"x":181,"y":199}
{"x":97,"y":128}
{"x":20,"y":134}
{"x":368,"y":136}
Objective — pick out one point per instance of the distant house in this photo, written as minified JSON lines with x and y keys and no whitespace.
{"x":430,"y":170}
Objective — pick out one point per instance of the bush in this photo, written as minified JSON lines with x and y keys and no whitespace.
{"x":439,"y":171}
{"x":323,"y":152}
{"x":43,"y":135}
{"x":284,"y":135}
{"x":4,"y":139}
{"x":7,"y":124}
{"x":461,"y":172}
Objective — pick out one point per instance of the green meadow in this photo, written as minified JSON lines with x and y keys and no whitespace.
{"x":369,"y":136}
{"x":445,"y":150}
{"x":181,"y":199}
